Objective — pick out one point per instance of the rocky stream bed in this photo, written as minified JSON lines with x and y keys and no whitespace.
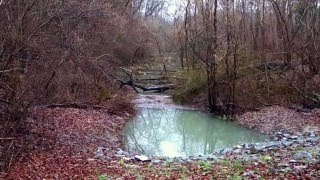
{"x":284,"y":154}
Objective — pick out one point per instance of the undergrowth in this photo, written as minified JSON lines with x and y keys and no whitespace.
{"x":194,"y":83}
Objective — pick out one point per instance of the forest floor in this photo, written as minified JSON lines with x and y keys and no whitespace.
{"x":68,"y":143}
{"x":276,"y":118}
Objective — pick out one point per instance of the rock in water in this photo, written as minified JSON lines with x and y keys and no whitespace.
{"x":273,"y":144}
{"x":286,"y":135}
{"x":312,"y":140}
{"x":312,"y":135}
{"x":225,"y":151}
{"x":294,"y":137}
{"x":99,"y":152}
{"x":286,"y":143}
{"x":302,"y":155}
{"x":142,"y":158}
{"x":156,"y":161}
{"x":245,"y":146}
{"x":237,"y":151}
{"x":212,"y":157}
{"x":257,"y":148}
{"x":122,"y":153}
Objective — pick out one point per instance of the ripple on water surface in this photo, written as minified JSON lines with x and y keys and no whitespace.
{"x":180,"y":133}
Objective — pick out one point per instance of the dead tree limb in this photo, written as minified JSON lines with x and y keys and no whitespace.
{"x":5,"y":101}
{"x":74,"y":105}
{"x":9,"y":70}
{"x":9,"y":138}
{"x":131,"y":82}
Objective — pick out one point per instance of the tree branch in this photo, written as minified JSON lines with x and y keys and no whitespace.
{"x":9,"y":70}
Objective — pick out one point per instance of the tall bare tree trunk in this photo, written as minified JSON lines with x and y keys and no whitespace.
{"x":186,"y":32}
{"x":211,"y":55}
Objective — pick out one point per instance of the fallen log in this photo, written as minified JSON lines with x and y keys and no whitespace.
{"x":161,"y":78}
{"x":130,"y":82}
{"x":156,"y":88}
{"x":160,"y":88}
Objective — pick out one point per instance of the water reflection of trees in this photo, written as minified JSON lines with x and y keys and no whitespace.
{"x":149,"y":129}
{"x":199,"y":134}
{"x":192,"y":132}
{"x":203,"y":134}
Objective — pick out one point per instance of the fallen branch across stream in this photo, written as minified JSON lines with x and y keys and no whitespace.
{"x":158,"y":88}
{"x":130,"y":82}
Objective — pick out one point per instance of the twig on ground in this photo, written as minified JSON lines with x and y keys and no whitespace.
{"x":9,"y":138}
{"x":10,"y":162}
{"x":74,"y":105}
{"x":9,"y":70}
{"x":6,"y":102}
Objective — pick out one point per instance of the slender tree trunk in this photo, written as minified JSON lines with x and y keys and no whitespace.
{"x":213,"y":92}
{"x":244,"y":24}
{"x":186,"y":30}
{"x":227,"y":57}
{"x":263,"y":33}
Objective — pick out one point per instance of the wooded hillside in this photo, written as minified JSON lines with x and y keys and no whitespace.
{"x":252,"y":52}
{"x":62,"y":52}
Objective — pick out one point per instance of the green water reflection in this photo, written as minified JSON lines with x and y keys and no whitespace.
{"x":180,"y":133}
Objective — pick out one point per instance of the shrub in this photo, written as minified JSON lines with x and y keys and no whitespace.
{"x":194,"y":83}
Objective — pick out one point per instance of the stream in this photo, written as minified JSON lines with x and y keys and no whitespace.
{"x":162,"y":128}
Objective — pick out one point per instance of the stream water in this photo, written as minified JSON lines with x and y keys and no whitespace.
{"x":173,"y":131}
